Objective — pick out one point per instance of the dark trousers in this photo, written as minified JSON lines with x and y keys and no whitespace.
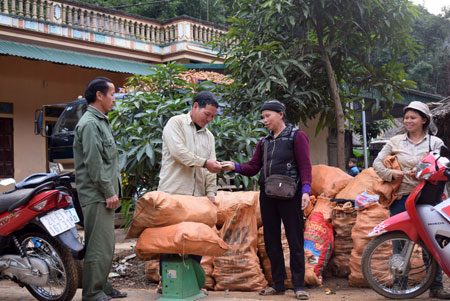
{"x":273,"y":211}
{"x":397,"y":207}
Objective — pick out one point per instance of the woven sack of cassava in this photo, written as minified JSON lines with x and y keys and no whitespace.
{"x":366,"y":219}
{"x":311,"y":278}
{"x":265,"y":261}
{"x":159,"y":209}
{"x":364,"y":181}
{"x":183,"y":238}
{"x":388,"y":191}
{"x":207,"y":264}
{"x":258,"y":211}
{"x":343,"y":218}
{"x":309,"y":209}
{"x":152,"y":270}
{"x":318,"y":243}
{"x":239,"y":268}
{"x":263,"y":258}
{"x":324,"y":206}
{"x":328,"y":180}
{"x":227,"y":200}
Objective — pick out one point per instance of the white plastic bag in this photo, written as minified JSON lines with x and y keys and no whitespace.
{"x":362,"y":200}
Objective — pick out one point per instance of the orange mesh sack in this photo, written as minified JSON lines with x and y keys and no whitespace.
{"x":309,"y":209}
{"x":343,"y":219}
{"x":239,"y":268}
{"x":328,"y":180}
{"x":207,"y":264}
{"x":366,"y":219}
{"x":258,"y":211}
{"x":158,"y":209}
{"x":357,"y":185}
{"x":183,"y":238}
{"x":324,"y":206}
{"x":388,"y":191}
{"x":311,"y":277}
{"x":265,"y":261}
{"x":152,"y":270}
{"x":227,"y":200}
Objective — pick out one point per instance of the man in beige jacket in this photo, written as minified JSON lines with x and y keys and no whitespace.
{"x":189,"y":163}
{"x":188,"y":153}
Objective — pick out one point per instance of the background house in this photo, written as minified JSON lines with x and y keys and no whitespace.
{"x":50,"y":50}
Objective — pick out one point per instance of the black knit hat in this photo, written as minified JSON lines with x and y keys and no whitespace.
{"x":273,"y":105}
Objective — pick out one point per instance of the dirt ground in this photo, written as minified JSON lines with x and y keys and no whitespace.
{"x":333,"y":288}
{"x":132,"y":280}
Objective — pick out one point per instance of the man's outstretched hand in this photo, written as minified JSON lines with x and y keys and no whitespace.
{"x":213,"y":166}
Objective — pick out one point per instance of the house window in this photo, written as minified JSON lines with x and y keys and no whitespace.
{"x":6,"y":148}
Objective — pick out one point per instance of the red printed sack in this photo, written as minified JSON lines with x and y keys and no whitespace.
{"x":318,"y":243}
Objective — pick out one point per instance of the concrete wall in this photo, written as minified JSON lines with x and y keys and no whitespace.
{"x":28,"y":84}
{"x":317,"y":144}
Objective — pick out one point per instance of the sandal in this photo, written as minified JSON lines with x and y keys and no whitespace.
{"x":301,"y":295}
{"x":117,"y":294}
{"x":270,"y":291}
{"x":104,"y":298}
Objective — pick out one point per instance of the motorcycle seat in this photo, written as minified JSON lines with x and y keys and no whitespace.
{"x":35,"y":179}
{"x":12,"y":200}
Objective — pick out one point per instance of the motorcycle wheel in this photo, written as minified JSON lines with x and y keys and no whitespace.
{"x":379,"y":264}
{"x":63,"y":280}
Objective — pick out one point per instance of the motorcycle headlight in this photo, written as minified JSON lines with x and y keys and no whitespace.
{"x":420,"y":169}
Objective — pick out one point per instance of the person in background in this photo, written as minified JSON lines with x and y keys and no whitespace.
{"x":287,"y":154}
{"x":188,"y":154}
{"x":409,"y":148}
{"x":98,"y":186}
{"x":352,"y":168}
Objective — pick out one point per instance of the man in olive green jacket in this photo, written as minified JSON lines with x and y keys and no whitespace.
{"x":98,"y":184}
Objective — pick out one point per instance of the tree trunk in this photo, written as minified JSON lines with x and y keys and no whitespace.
{"x":339,"y":112}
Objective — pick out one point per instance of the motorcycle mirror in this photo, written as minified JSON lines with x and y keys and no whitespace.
{"x":445,"y":152}
{"x":7,"y":182}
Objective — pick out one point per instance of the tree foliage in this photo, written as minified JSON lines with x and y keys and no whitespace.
{"x":316,"y":56}
{"x":431,"y":69}
{"x":373,"y":129}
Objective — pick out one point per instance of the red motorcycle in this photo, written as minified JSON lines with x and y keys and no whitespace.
{"x":402,"y":261}
{"x":38,"y":239}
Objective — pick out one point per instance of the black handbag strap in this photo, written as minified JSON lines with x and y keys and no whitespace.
{"x":266,"y":147}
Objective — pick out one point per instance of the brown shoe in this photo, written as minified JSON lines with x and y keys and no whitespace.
{"x":439,"y":293}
